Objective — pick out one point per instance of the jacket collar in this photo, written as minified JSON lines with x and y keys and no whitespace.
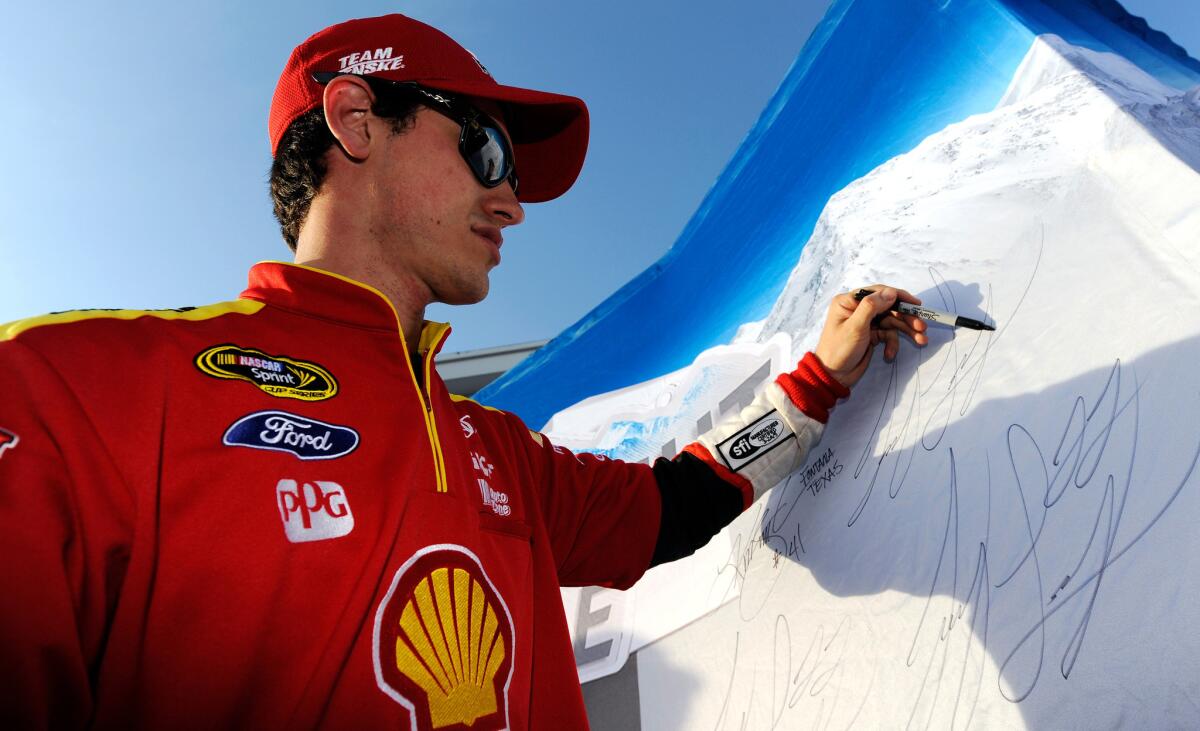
{"x":330,"y":296}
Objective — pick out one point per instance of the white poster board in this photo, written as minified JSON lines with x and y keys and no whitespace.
{"x":998,"y":530}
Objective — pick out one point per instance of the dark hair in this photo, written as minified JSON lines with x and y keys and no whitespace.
{"x":299,"y":166}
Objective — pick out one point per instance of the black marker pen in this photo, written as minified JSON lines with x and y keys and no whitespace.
{"x":925,"y":313}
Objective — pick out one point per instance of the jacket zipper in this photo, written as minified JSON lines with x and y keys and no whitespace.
{"x":439,"y":460}
{"x":431,"y":337}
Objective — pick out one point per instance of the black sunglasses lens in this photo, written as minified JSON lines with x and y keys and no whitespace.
{"x":488,"y":154}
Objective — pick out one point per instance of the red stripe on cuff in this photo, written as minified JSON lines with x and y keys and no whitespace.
{"x":811,"y":388}
{"x":697,"y":449}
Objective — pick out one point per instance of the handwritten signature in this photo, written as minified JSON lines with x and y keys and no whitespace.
{"x":1023,"y":587}
{"x":801,"y":676}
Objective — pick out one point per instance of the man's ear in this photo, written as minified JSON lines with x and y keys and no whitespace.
{"x":347,"y":103}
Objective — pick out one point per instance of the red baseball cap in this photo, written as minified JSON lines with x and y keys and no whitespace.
{"x":549,"y":131}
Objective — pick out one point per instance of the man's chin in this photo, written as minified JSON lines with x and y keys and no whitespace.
{"x":465,"y":296}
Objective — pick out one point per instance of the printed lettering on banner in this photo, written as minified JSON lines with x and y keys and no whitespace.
{"x":564,"y":450}
{"x":601,"y":626}
{"x":8,"y":440}
{"x":313,"y":511}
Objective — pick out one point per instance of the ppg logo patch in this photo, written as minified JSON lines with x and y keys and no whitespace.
{"x":313,"y":511}
{"x":754,"y":441}
{"x":280,"y":431}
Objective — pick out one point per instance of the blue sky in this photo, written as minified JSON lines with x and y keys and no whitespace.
{"x":137,"y":156}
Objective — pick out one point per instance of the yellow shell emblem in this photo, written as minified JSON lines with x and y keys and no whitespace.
{"x":444,"y":642}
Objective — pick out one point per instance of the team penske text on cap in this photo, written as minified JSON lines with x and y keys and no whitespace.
{"x":549,"y":131}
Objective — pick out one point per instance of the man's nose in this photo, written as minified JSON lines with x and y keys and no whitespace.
{"x":502,"y":205}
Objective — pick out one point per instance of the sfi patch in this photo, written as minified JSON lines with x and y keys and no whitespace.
{"x":444,"y":642}
{"x":8,"y":440}
{"x":276,"y":375}
{"x":753,"y":441}
{"x":280,"y":431}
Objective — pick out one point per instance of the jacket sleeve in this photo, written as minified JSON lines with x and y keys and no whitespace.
{"x":726,"y":469}
{"x":601,"y":515}
{"x":62,"y":538}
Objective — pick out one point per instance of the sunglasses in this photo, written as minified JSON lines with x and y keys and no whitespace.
{"x":481,"y":142}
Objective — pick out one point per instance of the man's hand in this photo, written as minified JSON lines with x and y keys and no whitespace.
{"x":849,"y":337}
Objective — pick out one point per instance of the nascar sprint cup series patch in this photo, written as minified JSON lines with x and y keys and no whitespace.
{"x":277,"y":375}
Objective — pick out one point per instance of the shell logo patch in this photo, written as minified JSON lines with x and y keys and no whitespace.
{"x":443,"y":643}
{"x":276,"y":375}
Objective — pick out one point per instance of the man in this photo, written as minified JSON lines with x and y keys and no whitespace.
{"x":270,"y":513}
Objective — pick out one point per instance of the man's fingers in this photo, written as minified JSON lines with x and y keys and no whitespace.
{"x":908,"y":297}
{"x":891,"y":345}
{"x":861,"y":366}
{"x":842,"y":307}
{"x":903,"y":294}
{"x":882,"y":305}
{"x":913,"y":327}
{"x":915,"y":323}
{"x":880,"y":301}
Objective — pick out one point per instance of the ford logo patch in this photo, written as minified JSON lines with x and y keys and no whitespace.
{"x":283,"y":432}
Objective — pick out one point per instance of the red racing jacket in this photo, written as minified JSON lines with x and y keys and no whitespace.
{"x":263,"y":514}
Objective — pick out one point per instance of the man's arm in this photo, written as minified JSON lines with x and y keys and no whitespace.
{"x":606,"y":520}
{"x":57,"y":535}
{"x":726,"y":469}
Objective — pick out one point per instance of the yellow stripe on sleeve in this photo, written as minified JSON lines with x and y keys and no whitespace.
{"x":207,"y":312}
